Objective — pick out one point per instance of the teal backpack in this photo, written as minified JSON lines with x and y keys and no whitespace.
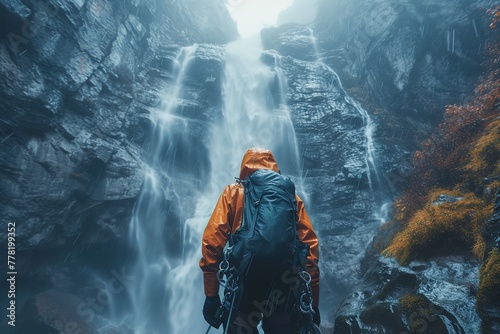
{"x":268,"y":232}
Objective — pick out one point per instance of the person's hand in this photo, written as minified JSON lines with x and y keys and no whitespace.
{"x":316,"y":316}
{"x":210,"y":308}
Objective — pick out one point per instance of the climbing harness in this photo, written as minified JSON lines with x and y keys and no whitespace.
{"x":228,"y":279}
{"x":305,"y":292}
{"x":305,"y":309}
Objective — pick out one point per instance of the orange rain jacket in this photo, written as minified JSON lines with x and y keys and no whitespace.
{"x":228,"y":214}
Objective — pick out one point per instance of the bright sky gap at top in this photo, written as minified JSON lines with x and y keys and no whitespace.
{"x":253,"y":15}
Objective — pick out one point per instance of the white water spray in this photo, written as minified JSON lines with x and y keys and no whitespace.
{"x":252,"y":114}
{"x":314,"y":42}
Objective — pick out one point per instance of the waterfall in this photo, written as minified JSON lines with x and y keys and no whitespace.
{"x":314,"y":42}
{"x":167,"y":294}
{"x":369,"y":130}
{"x":252,"y":115}
{"x":370,"y":158}
{"x":160,"y":191}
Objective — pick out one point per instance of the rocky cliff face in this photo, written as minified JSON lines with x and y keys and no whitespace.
{"x":403,"y":55}
{"x":78,"y":80}
{"x":405,"y":61}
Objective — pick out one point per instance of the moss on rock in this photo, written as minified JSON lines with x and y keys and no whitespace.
{"x":489,"y":280}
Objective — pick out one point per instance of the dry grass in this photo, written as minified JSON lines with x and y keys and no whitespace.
{"x":484,"y":156}
{"x":489,"y":279}
{"x":441,"y":229}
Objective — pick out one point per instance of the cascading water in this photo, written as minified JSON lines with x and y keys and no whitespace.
{"x":370,"y":159}
{"x":369,"y":131}
{"x":148,"y":291}
{"x":384,"y":205}
{"x":167,"y":294}
{"x":252,"y":114}
{"x":314,"y":41}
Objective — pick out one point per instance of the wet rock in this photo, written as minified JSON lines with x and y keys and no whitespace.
{"x":379,"y":46}
{"x":339,"y":184}
{"x":76,"y":93}
{"x":205,"y":77}
{"x":430,"y":298}
{"x":384,"y":316}
{"x":16,"y":8}
{"x":293,"y":40}
{"x":445,"y":199}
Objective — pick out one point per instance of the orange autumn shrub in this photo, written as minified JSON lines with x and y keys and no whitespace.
{"x":485,"y":154}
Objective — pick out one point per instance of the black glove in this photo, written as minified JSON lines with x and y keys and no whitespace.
{"x":316,"y":316}
{"x":210,"y":313}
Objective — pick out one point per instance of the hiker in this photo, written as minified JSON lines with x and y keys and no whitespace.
{"x":265,"y":291}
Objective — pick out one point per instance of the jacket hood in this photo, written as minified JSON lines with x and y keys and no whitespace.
{"x":257,"y":158}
